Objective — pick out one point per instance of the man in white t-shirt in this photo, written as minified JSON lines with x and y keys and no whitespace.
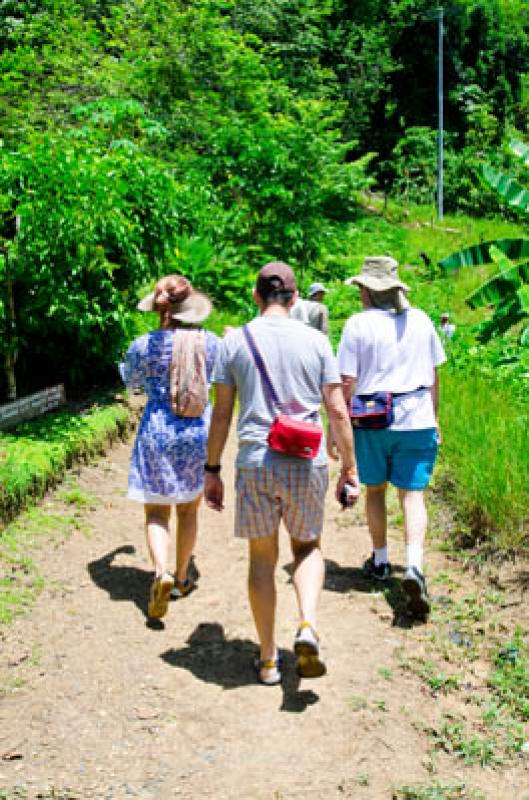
{"x":391,"y":347}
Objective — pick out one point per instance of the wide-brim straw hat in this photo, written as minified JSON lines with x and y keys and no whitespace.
{"x":379,"y":274}
{"x":195,"y":308}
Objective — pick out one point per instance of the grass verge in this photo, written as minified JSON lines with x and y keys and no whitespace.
{"x":35,"y":455}
{"x":33,"y":458}
{"x":483,"y":470}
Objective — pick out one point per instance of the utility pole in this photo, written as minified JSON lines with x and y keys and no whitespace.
{"x":440,"y":119}
{"x":439,"y":15}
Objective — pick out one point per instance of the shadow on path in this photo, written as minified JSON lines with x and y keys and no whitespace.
{"x":123,"y":582}
{"x":212,"y":658}
{"x":353,"y":579}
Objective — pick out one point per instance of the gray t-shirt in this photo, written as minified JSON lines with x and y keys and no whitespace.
{"x":311,"y":313}
{"x":299,"y":361}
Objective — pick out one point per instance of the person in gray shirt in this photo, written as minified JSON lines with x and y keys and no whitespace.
{"x":271,"y":486}
{"x":312,"y":312}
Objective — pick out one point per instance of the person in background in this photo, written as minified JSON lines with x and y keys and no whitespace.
{"x":273,"y":486}
{"x":312,"y":311}
{"x":173,"y":366}
{"x":446,"y":328}
{"x":391,"y":347}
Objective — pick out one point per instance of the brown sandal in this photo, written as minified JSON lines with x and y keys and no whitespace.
{"x":182,"y":588}
{"x":159,"y":599}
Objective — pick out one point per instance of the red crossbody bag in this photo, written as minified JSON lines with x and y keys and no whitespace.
{"x":286,"y":435}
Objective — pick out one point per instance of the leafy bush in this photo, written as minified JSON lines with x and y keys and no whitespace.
{"x":93,"y":228}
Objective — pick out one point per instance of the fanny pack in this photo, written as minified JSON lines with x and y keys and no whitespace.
{"x":286,"y":435}
{"x":372,"y":410}
{"x":375,"y":411}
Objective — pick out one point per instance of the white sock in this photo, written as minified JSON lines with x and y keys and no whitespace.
{"x":381,"y":555}
{"x":414,"y":554}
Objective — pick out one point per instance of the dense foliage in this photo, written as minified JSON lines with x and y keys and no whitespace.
{"x":210,"y":135}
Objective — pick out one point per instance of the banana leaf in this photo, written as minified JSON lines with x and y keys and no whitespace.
{"x":503,"y":263}
{"x":514,"y":194}
{"x":507,"y":314}
{"x":500,"y":288}
{"x":523,"y":297}
{"x":520,"y":149}
{"x":479,"y":254}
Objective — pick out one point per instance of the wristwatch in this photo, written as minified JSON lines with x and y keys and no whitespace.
{"x":214,"y":469}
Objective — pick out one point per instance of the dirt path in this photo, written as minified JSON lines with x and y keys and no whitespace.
{"x":101,"y":705}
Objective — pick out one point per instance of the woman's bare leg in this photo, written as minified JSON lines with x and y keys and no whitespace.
{"x":186,"y":536}
{"x":157,"y":531}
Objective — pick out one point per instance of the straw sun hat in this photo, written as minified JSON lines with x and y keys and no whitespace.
{"x":176,"y":293}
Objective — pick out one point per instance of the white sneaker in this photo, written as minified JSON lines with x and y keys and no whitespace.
{"x":307,"y":650}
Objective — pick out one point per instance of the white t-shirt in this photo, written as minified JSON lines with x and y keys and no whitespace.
{"x":388,"y":352}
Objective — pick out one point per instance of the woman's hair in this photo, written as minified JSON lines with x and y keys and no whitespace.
{"x":169,"y":291}
{"x":390,"y":300}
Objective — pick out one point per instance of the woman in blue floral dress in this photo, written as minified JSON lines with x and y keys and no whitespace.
{"x":173,"y":366}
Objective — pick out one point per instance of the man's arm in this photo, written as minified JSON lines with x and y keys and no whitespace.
{"x":218,"y":433}
{"x":348,"y":390}
{"x":342,"y":434}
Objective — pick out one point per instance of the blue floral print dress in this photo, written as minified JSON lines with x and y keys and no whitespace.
{"x":167,"y":464}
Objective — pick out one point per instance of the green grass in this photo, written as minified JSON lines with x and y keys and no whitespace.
{"x":437,"y":791}
{"x":509,"y":679}
{"x":483,"y":469}
{"x":36,"y":454}
{"x":34,"y":457}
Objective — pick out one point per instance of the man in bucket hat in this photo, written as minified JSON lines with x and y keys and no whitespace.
{"x":274,"y":486}
{"x":391,"y":347}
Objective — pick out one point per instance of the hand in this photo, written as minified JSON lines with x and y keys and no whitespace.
{"x":214,"y":491}
{"x":350,"y":477}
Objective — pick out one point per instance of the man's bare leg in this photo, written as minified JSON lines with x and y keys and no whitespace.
{"x":308,"y":577}
{"x":263,"y":555}
{"x":376,"y":514}
{"x":415,"y":522}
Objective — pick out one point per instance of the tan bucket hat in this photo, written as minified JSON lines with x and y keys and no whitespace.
{"x":185,"y":304}
{"x":379,"y":273}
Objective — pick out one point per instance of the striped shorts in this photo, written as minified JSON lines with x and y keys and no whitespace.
{"x":294,"y":493}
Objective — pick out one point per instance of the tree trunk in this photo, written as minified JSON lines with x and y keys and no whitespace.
{"x":11,"y":327}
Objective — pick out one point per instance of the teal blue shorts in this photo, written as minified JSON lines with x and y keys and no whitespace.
{"x":404,"y":458}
